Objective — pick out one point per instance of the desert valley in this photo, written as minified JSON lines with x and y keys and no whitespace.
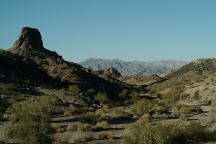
{"x":45,"y":99}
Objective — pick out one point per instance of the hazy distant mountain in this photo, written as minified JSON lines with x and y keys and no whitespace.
{"x":133,"y":67}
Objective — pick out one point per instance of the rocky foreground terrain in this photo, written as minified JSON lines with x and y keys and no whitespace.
{"x":45,"y":99}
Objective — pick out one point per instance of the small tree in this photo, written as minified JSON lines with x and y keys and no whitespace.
{"x":30,"y":122}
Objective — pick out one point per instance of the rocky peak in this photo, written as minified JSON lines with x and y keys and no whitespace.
{"x":29,"y":39}
{"x":30,"y":44}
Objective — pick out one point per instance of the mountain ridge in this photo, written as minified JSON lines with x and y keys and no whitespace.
{"x":29,"y":46}
{"x":133,"y":67}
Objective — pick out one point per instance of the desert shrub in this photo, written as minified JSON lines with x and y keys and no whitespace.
{"x":189,"y":132}
{"x":80,"y":137}
{"x":55,"y":127}
{"x":103,"y":136}
{"x":67,"y":113}
{"x":90,"y":117}
{"x":50,"y":102}
{"x":184,"y":117}
{"x":103,"y":125}
{"x":106,"y":135}
{"x":85,"y":127}
{"x":73,"y":109}
{"x":196,"y":95}
{"x":142,"y":132}
{"x":72,"y":127}
{"x":135,"y":97}
{"x":74,"y":89}
{"x":173,"y":95}
{"x":32,"y":122}
{"x":4,"y":133}
{"x":156,"y":88}
{"x":100,"y":111}
{"x":102,"y":114}
{"x":61,"y":129}
{"x":175,"y":112}
{"x":102,"y":97}
{"x":124,"y":95}
{"x":188,"y":110}
{"x":185,"y":110}
{"x":119,"y":114}
{"x":142,"y":107}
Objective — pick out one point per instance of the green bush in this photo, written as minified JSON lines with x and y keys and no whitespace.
{"x":119,"y":114}
{"x":31,"y":122}
{"x":173,"y":96}
{"x":103,"y":125}
{"x":142,"y":132}
{"x":189,"y":133}
{"x":142,"y":107}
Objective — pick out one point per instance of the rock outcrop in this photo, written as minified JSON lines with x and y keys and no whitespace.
{"x":30,"y":46}
{"x":112,"y":72}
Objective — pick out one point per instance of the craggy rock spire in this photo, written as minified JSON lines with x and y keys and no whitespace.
{"x":30,"y":44}
{"x":29,"y":39}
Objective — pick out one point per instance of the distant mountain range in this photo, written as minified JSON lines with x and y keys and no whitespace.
{"x":133,"y":67}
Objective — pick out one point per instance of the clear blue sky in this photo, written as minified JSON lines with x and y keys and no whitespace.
{"x":140,"y":30}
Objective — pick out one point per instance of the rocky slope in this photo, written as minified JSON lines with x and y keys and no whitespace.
{"x":16,"y":69}
{"x":29,"y":47}
{"x":112,"y":72}
{"x":194,"y":81}
{"x":141,"y":79}
{"x":133,"y":67}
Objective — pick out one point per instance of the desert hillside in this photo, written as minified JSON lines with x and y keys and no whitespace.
{"x":52,"y":100}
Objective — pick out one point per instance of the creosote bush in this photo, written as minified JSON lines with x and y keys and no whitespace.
{"x":119,"y":114}
{"x":142,"y":132}
{"x":30,"y":121}
{"x":184,"y":132}
{"x":142,"y":107}
{"x":103,"y":125}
